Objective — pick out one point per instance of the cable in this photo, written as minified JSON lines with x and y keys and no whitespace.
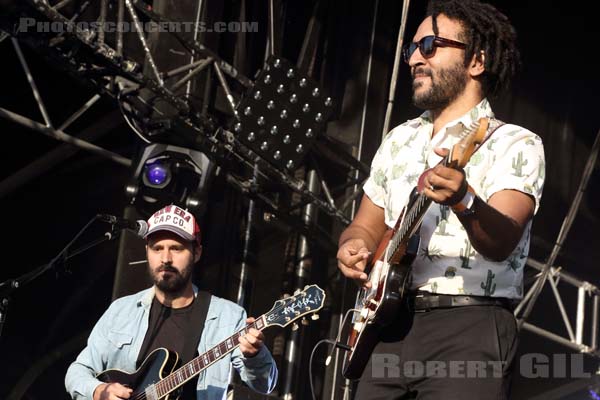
{"x":337,"y":338}
{"x":310,"y":361}
{"x":336,"y":344}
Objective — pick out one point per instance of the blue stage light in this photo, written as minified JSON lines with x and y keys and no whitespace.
{"x":157,"y":174}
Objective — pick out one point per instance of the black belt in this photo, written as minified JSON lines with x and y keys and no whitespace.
{"x":425,"y":301}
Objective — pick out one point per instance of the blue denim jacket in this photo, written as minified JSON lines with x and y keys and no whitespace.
{"x":115,"y":342}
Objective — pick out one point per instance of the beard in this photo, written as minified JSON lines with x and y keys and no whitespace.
{"x":446,"y":85}
{"x":172,"y":283}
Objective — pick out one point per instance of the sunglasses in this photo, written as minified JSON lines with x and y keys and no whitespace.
{"x":427,"y":46}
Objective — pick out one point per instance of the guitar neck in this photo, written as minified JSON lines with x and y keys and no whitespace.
{"x":410,"y":223}
{"x":192,"y":368}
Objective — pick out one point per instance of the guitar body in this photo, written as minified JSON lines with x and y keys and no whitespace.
{"x":160,"y":363}
{"x":364,"y":335}
{"x":380,"y":305}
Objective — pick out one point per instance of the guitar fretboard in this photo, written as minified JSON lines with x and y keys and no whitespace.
{"x":409,"y":224}
{"x":195,"y":366}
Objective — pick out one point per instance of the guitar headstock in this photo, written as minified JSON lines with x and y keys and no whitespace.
{"x":464,"y":149}
{"x":287,"y":310}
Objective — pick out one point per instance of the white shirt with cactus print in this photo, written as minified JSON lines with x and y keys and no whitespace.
{"x":512,"y":158}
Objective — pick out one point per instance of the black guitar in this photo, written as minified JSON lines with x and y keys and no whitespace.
{"x":160,"y":376}
{"x":390,"y":270}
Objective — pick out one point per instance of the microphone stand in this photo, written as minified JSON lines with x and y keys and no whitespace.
{"x":10,"y":286}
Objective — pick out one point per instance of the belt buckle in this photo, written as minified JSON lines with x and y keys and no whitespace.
{"x":423,"y":310}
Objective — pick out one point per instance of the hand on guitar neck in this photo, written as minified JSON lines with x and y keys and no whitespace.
{"x":444,"y":184}
{"x":251,"y":343}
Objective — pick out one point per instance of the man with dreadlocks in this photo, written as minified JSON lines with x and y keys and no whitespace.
{"x":455,"y":335}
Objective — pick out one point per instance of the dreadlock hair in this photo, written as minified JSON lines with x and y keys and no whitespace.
{"x":484,"y":29}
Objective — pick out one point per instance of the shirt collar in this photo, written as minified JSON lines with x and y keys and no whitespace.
{"x":148,"y":295}
{"x":481,"y":110}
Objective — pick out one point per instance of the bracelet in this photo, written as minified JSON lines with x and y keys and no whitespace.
{"x":465,"y":206}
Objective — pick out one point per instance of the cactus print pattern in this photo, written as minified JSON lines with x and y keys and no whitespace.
{"x":512,"y":158}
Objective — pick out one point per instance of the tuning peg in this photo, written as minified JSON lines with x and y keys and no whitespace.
{"x":305,"y":321}
{"x":314,"y":317}
{"x":306,"y":287}
{"x":286,"y":295}
{"x":295,"y":326}
{"x":297,"y":291}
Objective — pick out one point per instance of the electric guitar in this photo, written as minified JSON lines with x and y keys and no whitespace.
{"x":160,"y":375}
{"x":389,"y":272}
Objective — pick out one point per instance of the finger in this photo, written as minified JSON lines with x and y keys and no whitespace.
{"x":354,"y":246}
{"x":352,"y":250}
{"x":256,"y":333}
{"x":251,"y":340}
{"x":243,"y":343}
{"x":345,"y":252}
{"x":352,"y":272}
{"x":435,"y":182}
{"x":449,"y":173}
{"x":246,"y":348}
{"x":360,"y":277}
{"x":253,"y":337}
{"x":427,"y":182}
{"x":438,"y":183}
{"x":253,"y":344}
{"x":446,"y":178}
{"x":440,"y":194}
{"x":358,"y":260}
{"x":250,"y":320}
{"x":121,"y":391}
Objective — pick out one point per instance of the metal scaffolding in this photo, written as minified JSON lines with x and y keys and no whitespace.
{"x":552,"y":274}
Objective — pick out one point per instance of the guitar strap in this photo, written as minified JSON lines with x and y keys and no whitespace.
{"x":196,"y":325}
{"x":493,"y":127}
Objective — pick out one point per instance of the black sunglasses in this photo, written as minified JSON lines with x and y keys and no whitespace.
{"x":427,"y":46}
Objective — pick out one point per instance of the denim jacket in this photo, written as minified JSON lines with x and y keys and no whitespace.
{"x":115,"y":342}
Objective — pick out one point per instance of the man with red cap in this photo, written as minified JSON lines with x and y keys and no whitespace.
{"x":166,"y":316}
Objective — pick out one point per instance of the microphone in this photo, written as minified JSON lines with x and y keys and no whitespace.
{"x":139,"y":227}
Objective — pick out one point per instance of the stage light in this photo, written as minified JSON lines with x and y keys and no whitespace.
{"x":166,"y":174}
{"x":282,"y":114}
{"x":157,"y":175}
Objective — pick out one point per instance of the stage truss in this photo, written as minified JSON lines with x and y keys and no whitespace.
{"x":87,"y":54}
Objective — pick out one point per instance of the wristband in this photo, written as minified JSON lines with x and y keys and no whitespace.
{"x":465,"y":206}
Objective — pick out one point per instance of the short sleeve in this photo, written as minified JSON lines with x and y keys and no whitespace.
{"x":376,"y":186}
{"x":517,"y":162}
